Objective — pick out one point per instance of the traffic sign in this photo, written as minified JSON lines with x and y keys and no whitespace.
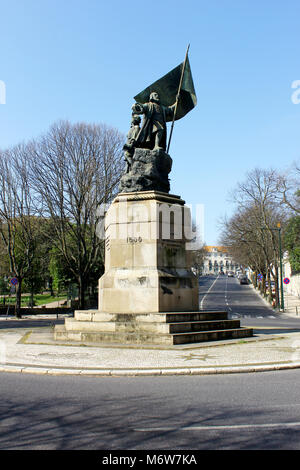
{"x":286,"y":280}
{"x":14,"y":281}
{"x":259,"y":277}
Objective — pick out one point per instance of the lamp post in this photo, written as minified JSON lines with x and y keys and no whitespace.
{"x":280,"y":258}
{"x":278,"y":228}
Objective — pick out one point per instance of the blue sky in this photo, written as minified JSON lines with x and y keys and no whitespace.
{"x":85,"y":60}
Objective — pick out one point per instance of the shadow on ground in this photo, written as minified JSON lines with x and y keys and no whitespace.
{"x":29,"y":323}
{"x":138,"y":421}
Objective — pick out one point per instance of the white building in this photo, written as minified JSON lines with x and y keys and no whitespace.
{"x":218,"y":260}
{"x":293,"y":286}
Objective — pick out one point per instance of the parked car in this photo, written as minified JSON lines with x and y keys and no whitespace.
{"x":244,"y":280}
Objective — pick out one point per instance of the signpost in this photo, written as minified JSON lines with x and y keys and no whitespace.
{"x":14,"y":281}
{"x":280,"y":260}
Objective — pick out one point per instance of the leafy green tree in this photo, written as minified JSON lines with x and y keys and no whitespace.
{"x":4,"y":288}
{"x":292,"y":243}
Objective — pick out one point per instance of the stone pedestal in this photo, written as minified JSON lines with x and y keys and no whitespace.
{"x":148,"y":293}
{"x":146,"y":261}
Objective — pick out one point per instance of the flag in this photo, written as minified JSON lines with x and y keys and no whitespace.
{"x":167,"y":89}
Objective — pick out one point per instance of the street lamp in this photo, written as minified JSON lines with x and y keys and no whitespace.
{"x":280,"y":258}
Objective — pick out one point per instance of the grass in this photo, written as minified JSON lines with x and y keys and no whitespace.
{"x":39,"y":299}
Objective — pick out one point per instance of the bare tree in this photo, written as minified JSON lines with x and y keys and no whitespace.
{"x":246,"y":242}
{"x":255,"y":224}
{"x":289,"y":188}
{"x":75,"y":169}
{"x":19,"y":229}
{"x":197,"y":259}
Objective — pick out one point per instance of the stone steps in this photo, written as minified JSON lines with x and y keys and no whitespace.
{"x":212,"y":335}
{"x":152,"y":338}
{"x":153,"y":328}
{"x":195,"y":316}
{"x":194,"y":326}
{"x":166,"y":317}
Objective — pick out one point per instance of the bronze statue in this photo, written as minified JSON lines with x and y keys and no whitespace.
{"x":131,"y":141}
{"x":153,"y":133}
{"x":146,"y":151}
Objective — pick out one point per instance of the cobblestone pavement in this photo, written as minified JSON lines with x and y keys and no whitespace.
{"x":30,"y":349}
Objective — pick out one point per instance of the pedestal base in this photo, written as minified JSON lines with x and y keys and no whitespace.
{"x":146,"y":261}
{"x":163,"y":329}
{"x":148,"y":294}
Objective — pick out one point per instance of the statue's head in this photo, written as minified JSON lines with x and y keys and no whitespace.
{"x":154,"y":97}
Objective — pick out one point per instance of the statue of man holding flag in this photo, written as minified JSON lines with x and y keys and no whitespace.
{"x":153,"y":133}
{"x":168,"y":99}
{"x":146,"y":150}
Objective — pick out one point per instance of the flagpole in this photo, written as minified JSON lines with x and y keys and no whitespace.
{"x":177,"y":97}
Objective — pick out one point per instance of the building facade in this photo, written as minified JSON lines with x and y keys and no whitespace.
{"x":217,"y":260}
{"x":293,"y":285}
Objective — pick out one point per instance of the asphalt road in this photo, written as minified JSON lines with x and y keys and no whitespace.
{"x":238,"y":411}
{"x":243,"y":302}
{"x":218,"y":412}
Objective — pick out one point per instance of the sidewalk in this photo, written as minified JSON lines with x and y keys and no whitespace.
{"x":28,"y":349}
{"x":291,"y":303}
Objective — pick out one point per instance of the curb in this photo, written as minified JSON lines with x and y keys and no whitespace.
{"x":262,"y":298}
{"x":285,"y":311}
{"x":149,"y":372}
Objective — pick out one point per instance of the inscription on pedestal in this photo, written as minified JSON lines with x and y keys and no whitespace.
{"x":133,"y":240}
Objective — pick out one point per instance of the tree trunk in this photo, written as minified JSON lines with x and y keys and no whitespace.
{"x":270,"y":296}
{"x":51,"y":287}
{"x":255,"y":279}
{"x":264,"y":285}
{"x":81,"y":288}
{"x":18,"y":298}
{"x":31,"y":298}
{"x":261,"y":285}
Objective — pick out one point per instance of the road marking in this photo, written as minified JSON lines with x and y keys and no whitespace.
{"x":221,"y":427}
{"x":201,"y":304}
{"x":226,"y":291}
